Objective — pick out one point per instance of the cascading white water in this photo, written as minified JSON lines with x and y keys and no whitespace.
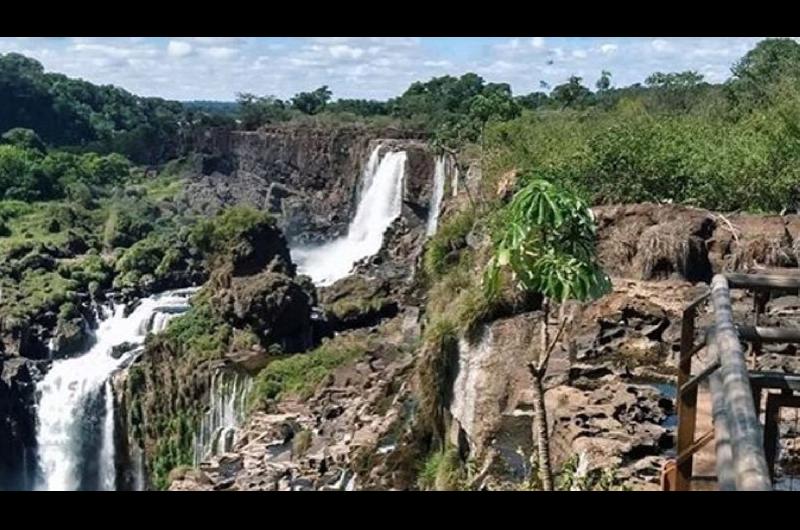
{"x":75,"y":413}
{"x":369,"y":171}
{"x":380,"y":204}
{"x":454,"y":183}
{"x":226,"y":411}
{"x":108,"y":472}
{"x":437,"y":194}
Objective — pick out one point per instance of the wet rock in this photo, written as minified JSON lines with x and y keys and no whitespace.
{"x":71,"y":335}
{"x":17,"y":423}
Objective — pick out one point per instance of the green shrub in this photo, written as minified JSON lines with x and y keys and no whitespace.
{"x":299,"y":375}
{"x":449,"y":238}
{"x":442,"y":471}
{"x":301,"y":443}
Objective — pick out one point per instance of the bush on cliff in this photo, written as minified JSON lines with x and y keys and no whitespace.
{"x":300,"y":375}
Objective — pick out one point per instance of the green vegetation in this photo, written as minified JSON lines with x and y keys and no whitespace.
{"x":300,"y":375}
{"x":240,"y":224}
{"x":448,"y":240}
{"x":725,"y":147}
{"x":301,"y":443}
{"x":83,"y":116}
{"x":546,"y":238}
{"x":174,"y":445}
{"x":442,"y":471}
{"x":198,"y":333}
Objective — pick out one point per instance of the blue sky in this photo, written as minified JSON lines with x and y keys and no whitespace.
{"x":366,"y":67}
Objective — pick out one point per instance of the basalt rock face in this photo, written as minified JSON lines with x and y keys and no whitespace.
{"x":308,"y":177}
{"x":17,"y":423}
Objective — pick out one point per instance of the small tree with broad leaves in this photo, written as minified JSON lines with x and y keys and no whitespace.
{"x":546,"y":238}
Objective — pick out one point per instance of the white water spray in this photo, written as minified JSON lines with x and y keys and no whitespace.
{"x":380,"y":204}
{"x":75,"y":414}
{"x":227,"y":410}
{"x":437,"y":195}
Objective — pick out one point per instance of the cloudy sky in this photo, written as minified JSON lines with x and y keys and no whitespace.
{"x":365,"y":67}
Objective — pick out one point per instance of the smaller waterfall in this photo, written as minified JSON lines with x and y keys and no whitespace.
{"x":437,"y":194}
{"x":381,"y":202}
{"x":454,"y":183}
{"x":137,"y":458}
{"x":226,"y":411}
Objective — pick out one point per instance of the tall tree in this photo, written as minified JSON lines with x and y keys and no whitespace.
{"x":545,"y":237}
{"x":312,"y":102}
{"x":604,"y":83}
{"x":572,"y":93}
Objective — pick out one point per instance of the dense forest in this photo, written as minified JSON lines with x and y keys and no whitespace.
{"x":673,"y":137}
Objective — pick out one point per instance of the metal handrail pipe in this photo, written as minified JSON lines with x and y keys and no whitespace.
{"x":749,"y":462}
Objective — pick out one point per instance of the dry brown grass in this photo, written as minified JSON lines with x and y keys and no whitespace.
{"x":662,"y":251}
{"x":763,"y":251}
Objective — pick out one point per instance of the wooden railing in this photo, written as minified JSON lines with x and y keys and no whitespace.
{"x":745,"y":458}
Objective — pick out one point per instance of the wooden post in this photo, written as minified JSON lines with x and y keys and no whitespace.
{"x":772,"y":419}
{"x":686,"y":401}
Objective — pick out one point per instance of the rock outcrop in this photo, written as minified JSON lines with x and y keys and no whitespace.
{"x":17,"y":423}
{"x":345,"y":437}
{"x":252,"y":304}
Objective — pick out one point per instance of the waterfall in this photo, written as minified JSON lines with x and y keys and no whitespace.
{"x":108,"y":472}
{"x":454,"y":183}
{"x":137,"y":458}
{"x":379,"y":205}
{"x":226,"y":411}
{"x":437,"y":194}
{"x":75,"y":413}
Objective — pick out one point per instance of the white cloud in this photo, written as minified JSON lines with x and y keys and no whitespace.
{"x":660,"y":45}
{"x":608,"y":49}
{"x":219,"y":52}
{"x":340,"y":51}
{"x":438,"y":64}
{"x":218,"y":41}
{"x":368,"y":67}
{"x":177,"y":48}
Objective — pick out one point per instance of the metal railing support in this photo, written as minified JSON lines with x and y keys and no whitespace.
{"x":749,"y":463}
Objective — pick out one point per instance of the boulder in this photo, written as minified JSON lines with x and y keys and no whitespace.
{"x":357,"y":301}
{"x":277,"y":308}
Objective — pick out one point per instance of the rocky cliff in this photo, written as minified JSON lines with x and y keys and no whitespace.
{"x":307,"y":177}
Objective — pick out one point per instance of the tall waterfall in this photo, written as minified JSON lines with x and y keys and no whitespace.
{"x":226,"y":412}
{"x":439,"y":174}
{"x":380,"y":203}
{"x":75,"y":413}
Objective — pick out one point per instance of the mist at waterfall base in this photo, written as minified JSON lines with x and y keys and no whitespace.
{"x":380,"y":203}
{"x":75,"y":412}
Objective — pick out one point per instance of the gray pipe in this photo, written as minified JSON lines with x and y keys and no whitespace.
{"x":749,"y":463}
